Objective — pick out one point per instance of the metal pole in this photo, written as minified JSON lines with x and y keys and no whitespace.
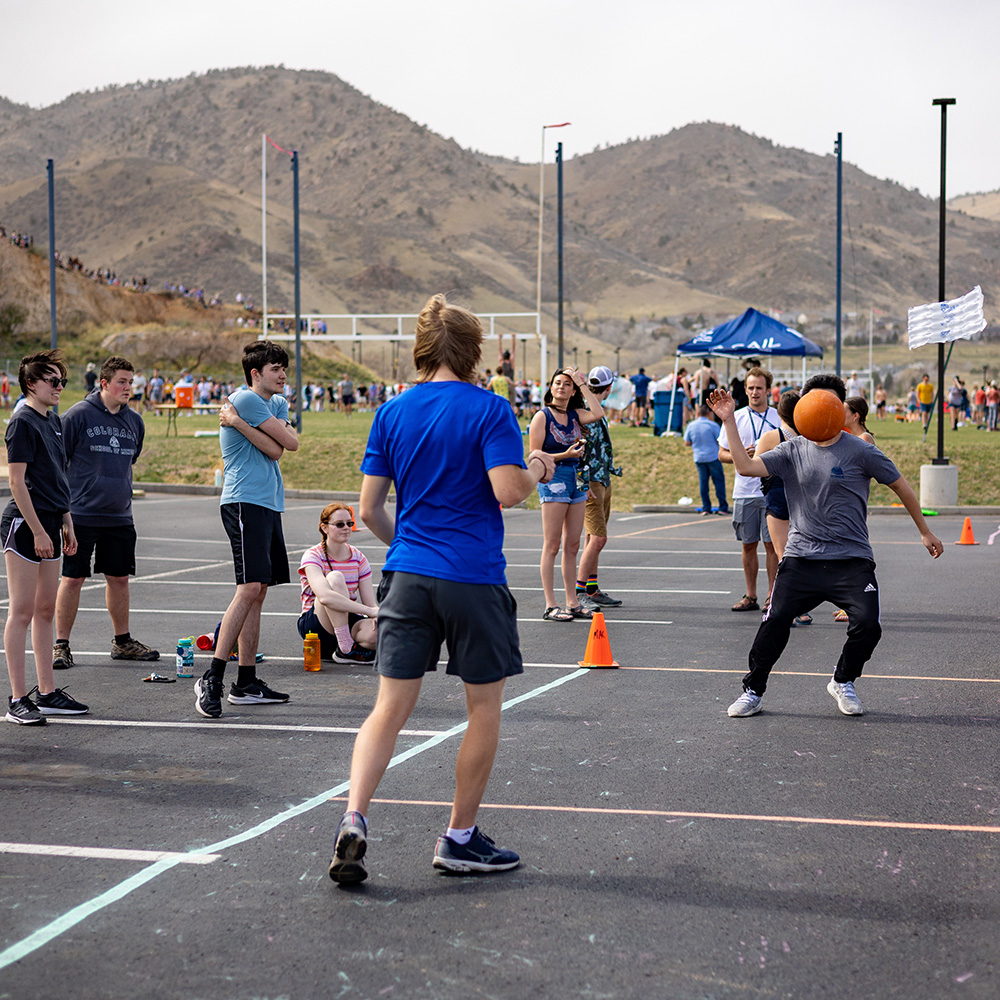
{"x":263,"y":233}
{"x":943,"y":102}
{"x":840,"y":226}
{"x":541,"y":209}
{"x":50,"y":167}
{"x":298,"y":295}
{"x":559,"y":202}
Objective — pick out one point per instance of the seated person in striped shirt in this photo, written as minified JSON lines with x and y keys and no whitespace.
{"x":338,"y":601}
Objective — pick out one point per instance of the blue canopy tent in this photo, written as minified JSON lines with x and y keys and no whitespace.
{"x":751,"y":335}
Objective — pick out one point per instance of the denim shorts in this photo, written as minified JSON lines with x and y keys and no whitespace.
{"x":562,"y":488}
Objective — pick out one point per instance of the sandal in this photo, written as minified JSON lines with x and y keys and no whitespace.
{"x":746,"y":604}
{"x":580,"y":612}
{"x":803,"y":619}
{"x":556,"y":615}
{"x":840,"y":616}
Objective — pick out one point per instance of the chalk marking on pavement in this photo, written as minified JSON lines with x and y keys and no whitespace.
{"x":153,"y":724}
{"x":110,"y":853}
{"x":78,"y":914}
{"x":876,"y":824}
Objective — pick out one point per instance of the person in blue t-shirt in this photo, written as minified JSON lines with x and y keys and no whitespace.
{"x":702,"y":437}
{"x":640,"y":406}
{"x":454,"y":453}
{"x":254,"y":433}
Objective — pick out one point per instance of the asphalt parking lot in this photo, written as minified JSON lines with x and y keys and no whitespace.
{"x":667,"y":850}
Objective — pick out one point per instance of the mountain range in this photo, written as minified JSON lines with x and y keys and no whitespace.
{"x":163,"y":179}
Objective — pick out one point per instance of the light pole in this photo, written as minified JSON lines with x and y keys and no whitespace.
{"x":839,"y":149}
{"x":588,"y":362}
{"x":541,"y":210}
{"x":943,"y":102}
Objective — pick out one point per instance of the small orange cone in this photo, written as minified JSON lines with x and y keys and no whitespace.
{"x":967,"y":538}
{"x":598,"y":652}
{"x":354,"y":519}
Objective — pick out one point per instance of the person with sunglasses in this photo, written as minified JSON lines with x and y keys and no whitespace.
{"x":338,"y":600}
{"x":36,"y":526}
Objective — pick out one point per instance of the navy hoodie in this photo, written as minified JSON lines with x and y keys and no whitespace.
{"x":101,"y":448}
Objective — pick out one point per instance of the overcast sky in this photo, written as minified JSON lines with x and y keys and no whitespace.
{"x":491,"y":75}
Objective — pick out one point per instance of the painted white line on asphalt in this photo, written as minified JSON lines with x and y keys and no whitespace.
{"x":63,"y":720}
{"x":651,"y":569}
{"x":629,"y":590}
{"x":111,"y":853}
{"x":78,"y":914}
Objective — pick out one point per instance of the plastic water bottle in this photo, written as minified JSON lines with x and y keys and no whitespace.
{"x":185,"y":657}
{"x":310,"y":651}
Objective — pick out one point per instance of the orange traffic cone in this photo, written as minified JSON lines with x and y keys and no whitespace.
{"x":354,"y":519}
{"x":967,"y":538}
{"x":598,"y":652}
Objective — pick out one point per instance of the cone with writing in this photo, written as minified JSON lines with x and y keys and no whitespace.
{"x":598,"y":652}
{"x":967,"y":538}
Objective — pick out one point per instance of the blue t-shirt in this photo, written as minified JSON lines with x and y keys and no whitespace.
{"x":641,"y":383}
{"x":703,"y":436}
{"x":249,"y":475}
{"x":437,"y":442}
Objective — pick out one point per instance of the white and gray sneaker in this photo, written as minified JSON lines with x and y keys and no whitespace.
{"x":748,"y":703}
{"x":587,"y":602}
{"x":847,"y":699}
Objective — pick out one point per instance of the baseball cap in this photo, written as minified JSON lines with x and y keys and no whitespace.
{"x":600,"y":377}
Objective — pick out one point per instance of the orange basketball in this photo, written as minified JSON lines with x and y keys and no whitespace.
{"x":819,"y":414}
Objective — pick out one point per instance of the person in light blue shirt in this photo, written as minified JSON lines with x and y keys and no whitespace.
{"x":702,"y":437}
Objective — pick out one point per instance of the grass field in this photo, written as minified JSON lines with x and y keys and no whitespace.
{"x":656,"y":470}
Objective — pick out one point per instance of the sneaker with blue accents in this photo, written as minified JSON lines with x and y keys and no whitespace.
{"x":847,"y":698}
{"x":480,"y":854}
{"x":748,"y":703}
{"x":348,"y":850}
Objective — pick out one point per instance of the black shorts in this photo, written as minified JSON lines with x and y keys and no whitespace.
{"x":259,"y":554}
{"x":115,"y":548}
{"x":477,"y":620}
{"x":19,"y":538}
{"x":308,"y":622}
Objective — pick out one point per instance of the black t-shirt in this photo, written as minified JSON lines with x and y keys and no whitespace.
{"x":37,"y":441}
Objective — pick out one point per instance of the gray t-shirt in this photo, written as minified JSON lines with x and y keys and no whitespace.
{"x":827,"y":493}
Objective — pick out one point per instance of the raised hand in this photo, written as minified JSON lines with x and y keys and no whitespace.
{"x":723,"y":405}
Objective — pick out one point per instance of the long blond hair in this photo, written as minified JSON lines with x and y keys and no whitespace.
{"x":447,"y":335}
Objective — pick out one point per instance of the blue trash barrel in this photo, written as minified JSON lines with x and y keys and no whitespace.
{"x":663,"y":419}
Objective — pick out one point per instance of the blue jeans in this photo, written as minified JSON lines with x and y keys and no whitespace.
{"x":713,"y":469}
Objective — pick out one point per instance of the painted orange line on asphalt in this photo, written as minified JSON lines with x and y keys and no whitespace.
{"x":819,"y":673}
{"x":659,"y":527}
{"x":676,"y":814}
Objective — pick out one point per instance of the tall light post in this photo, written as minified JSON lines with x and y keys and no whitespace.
{"x":943,"y":103}
{"x":541,"y":211}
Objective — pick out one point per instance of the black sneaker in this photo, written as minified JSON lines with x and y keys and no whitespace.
{"x":59,"y":703}
{"x":24,"y":712}
{"x":132,"y":650}
{"x":254,"y":693}
{"x":62,"y":658}
{"x":480,"y":854}
{"x":358,"y":654}
{"x":208,"y":696}
{"x":348,"y":850}
{"x":604,"y":599}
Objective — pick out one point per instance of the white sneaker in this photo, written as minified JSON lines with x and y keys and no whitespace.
{"x":748,"y":703}
{"x":847,"y":700}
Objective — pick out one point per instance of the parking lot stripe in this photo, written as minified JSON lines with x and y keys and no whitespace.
{"x":111,"y":853}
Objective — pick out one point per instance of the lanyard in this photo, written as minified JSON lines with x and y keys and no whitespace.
{"x":753,"y":427}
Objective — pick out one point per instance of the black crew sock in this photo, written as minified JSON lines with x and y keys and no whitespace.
{"x":122,"y":639}
{"x":217,"y":668}
{"x":245,"y":675}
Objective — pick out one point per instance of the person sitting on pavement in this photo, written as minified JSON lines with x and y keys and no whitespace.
{"x":338,"y":600}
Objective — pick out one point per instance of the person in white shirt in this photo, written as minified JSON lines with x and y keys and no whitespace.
{"x":749,"y":514}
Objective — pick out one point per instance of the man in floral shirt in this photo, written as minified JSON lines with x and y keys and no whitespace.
{"x":594,"y":474}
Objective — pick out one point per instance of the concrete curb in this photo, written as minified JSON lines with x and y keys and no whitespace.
{"x":967,"y":511}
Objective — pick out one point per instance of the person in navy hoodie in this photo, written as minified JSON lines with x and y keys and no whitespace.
{"x":103,"y":438}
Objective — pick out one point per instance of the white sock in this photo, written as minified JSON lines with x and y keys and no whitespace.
{"x":344,"y":640}
{"x":460,"y":836}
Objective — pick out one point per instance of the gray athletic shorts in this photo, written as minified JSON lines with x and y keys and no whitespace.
{"x":750,"y":520}
{"x":478,"y":621}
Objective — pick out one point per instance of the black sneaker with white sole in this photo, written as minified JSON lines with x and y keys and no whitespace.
{"x":358,"y":654}
{"x":254,"y":693}
{"x":480,"y":854}
{"x":348,"y":850}
{"x":208,"y":696}
{"x":605,"y":600}
{"x":24,"y":712}
{"x":59,"y":703}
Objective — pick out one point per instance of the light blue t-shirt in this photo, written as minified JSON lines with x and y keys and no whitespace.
{"x":249,"y":475}
{"x":437,"y":442}
{"x":703,"y":436}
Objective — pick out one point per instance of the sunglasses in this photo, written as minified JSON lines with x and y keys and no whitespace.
{"x":341,"y":524}
{"x":56,"y":383}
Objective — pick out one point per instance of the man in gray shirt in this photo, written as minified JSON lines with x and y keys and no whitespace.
{"x":828,"y":556}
